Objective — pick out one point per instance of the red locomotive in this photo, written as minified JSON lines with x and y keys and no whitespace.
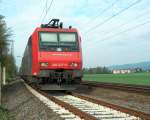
{"x":53,"y":55}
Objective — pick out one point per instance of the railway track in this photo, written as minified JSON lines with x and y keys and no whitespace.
{"x":74,"y":106}
{"x":124,"y":87}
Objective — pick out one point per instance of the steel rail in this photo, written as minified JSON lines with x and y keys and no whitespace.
{"x":118,"y":86}
{"x":136,"y":113}
{"x":67,"y":106}
{"x":84,"y":115}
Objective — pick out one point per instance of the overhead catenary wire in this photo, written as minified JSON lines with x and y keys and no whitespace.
{"x":99,"y":14}
{"x":119,"y":33}
{"x":46,"y":6}
{"x":133,"y":20}
{"x":129,"y":22}
{"x":47,"y":10}
{"x":44,"y":9}
{"x":111,"y":17}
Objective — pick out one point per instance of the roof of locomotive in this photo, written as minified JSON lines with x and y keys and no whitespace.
{"x":54,"y":26}
{"x":39,"y":29}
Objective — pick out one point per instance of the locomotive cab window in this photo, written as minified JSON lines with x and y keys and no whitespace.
{"x":67,"y":37}
{"x":53,"y":41}
{"x":68,"y":41}
{"x":48,"y":38}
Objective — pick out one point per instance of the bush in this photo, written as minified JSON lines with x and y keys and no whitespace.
{"x":4,"y":114}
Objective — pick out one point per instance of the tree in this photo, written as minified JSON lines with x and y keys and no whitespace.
{"x":4,"y":36}
{"x":97,"y":70}
{"x":6,"y":59}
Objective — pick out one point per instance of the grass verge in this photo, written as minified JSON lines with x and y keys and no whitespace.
{"x":133,"y":78}
{"x":4,"y":114}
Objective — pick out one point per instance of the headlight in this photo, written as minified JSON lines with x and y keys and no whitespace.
{"x":73,"y":64}
{"x":34,"y":73}
{"x":44,"y":64}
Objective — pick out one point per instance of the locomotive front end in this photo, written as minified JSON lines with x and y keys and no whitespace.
{"x":59,"y":56}
{"x":52,"y":55}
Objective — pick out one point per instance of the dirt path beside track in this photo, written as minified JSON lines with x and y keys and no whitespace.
{"x":23,"y":105}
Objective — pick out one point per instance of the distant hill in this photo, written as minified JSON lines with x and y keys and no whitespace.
{"x":143,"y":65}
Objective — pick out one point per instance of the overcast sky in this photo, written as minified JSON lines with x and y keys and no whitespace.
{"x":112,"y":31}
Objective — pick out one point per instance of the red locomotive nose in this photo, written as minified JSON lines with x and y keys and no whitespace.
{"x":62,"y":60}
{"x":53,"y":53}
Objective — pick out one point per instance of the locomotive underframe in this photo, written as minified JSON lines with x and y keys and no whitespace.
{"x":60,"y":76}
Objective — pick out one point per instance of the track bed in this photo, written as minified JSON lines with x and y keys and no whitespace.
{"x":87,"y":108}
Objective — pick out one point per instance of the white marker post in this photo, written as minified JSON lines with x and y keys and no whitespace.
{"x":4,"y":76}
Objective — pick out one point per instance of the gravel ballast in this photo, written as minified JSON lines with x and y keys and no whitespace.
{"x":131,"y":100}
{"x":23,"y":105}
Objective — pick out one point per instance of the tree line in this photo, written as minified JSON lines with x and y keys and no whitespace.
{"x":6,"y":58}
{"x":97,"y":70}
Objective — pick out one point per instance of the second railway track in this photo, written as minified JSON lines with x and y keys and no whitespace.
{"x":124,"y":87}
{"x":87,"y":108}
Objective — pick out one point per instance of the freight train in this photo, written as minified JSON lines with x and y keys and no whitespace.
{"x":53,"y":55}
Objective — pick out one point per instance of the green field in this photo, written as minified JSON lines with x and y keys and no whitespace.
{"x":134,"y":78}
